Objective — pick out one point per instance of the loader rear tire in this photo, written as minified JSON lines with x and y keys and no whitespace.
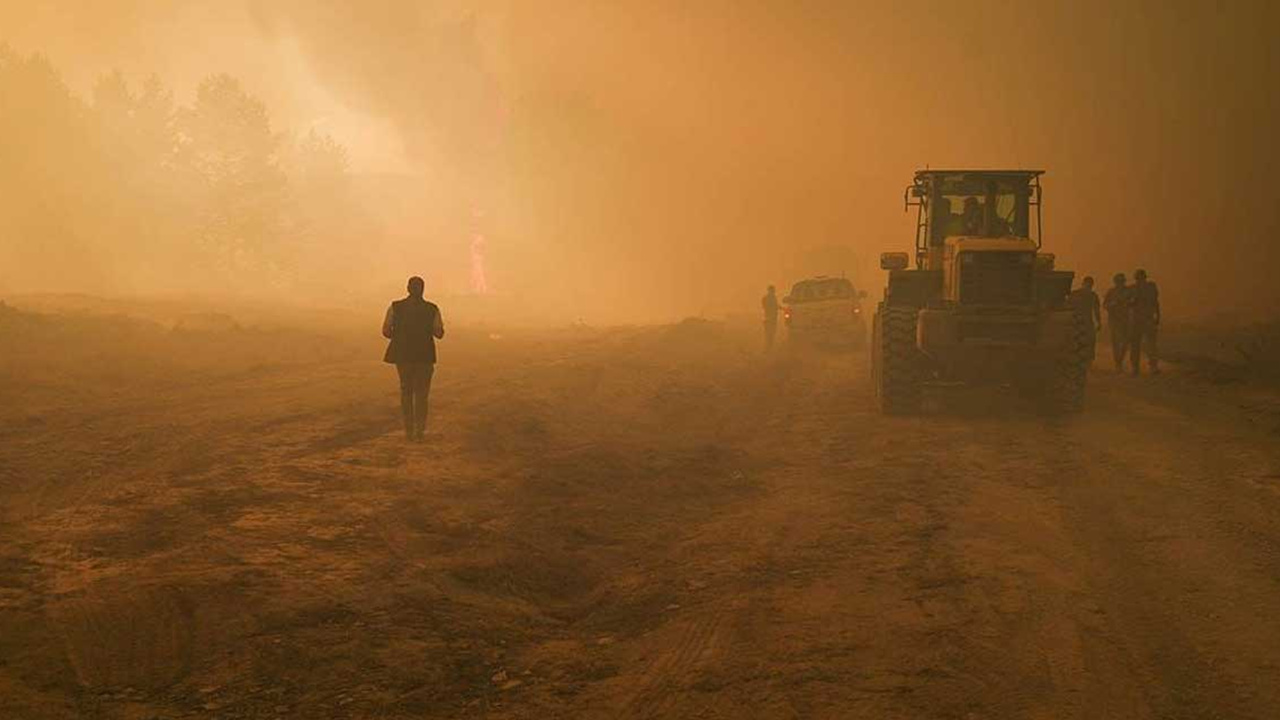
{"x":1064,"y":391}
{"x":897,"y":365}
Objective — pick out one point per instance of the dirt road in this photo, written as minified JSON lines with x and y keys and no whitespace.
{"x":628,"y":523}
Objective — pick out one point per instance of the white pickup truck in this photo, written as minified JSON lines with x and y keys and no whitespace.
{"x":825,"y":311}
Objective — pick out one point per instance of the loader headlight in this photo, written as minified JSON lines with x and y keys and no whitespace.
{"x":893,"y":261}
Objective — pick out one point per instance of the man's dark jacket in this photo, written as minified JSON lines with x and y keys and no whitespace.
{"x":411,"y":331}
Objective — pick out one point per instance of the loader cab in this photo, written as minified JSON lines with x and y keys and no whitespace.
{"x":972,"y":204}
{"x":977,"y":234}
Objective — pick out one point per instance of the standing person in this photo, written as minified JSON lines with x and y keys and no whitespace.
{"x":1145,"y":319}
{"x":770,"y":305}
{"x":972,"y":216}
{"x":413,"y":325}
{"x":1117,"y":303}
{"x":1085,"y":303}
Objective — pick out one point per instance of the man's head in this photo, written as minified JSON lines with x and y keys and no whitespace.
{"x":416,"y":286}
{"x":1118,"y":279}
{"x":1087,"y":282}
{"x":771,"y":290}
{"x":1140,"y":275}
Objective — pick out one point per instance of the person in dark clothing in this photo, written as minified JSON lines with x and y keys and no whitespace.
{"x":1116,"y":303}
{"x":770,"y":305}
{"x":972,"y":216}
{"x":413,"y":325}
{"x":1144,"y":304}
{"x":1085,"y":303}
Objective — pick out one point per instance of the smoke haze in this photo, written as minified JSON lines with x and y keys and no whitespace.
{"x":641,"y":161}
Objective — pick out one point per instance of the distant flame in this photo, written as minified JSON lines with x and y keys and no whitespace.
{"x":479,"y":283}
{"x":490,"y":150}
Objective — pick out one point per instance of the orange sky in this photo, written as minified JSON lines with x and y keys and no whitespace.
{"x":662,"y":159}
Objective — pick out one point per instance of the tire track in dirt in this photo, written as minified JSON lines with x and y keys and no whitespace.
{"x":138,"y":638}
{"x":1184,"y":579}
{"x":1061,"y":537}
{"x":779,"y":555}
{"x":1033,"y":611}
{"x":662,"y":678}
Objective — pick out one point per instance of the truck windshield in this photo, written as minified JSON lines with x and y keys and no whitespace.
{"x":832,"y":289}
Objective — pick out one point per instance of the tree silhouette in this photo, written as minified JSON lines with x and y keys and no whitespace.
{"x":329,"y":229}
{"x":46,"y":166}
{"x":127,"y":190}
{"x":225,"y":142}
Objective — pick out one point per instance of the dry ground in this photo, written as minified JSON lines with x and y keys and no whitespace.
{"x":625,"y":523}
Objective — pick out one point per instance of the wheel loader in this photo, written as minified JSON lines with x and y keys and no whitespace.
{"x":983,"y":304}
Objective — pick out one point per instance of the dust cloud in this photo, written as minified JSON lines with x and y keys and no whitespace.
{"x":625,"y":500}
{"x":623,"y":161}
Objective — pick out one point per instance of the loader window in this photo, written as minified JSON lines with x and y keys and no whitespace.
{"x":991,"y":208}
{"x":960,"y":215}
{"x":1008,"y":220}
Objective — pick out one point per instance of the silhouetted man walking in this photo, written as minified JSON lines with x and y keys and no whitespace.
{"x":1117,"y":304}
{"x":1145,"y":305}
{"x":413,"y":325}
{"x":1085,"y":303}
{"x":770,"y":305}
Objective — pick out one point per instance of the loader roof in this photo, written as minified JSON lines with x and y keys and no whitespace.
{"x":1019,"y":173}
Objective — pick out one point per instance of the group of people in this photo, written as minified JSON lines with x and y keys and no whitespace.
{"x":1133,"y":318}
